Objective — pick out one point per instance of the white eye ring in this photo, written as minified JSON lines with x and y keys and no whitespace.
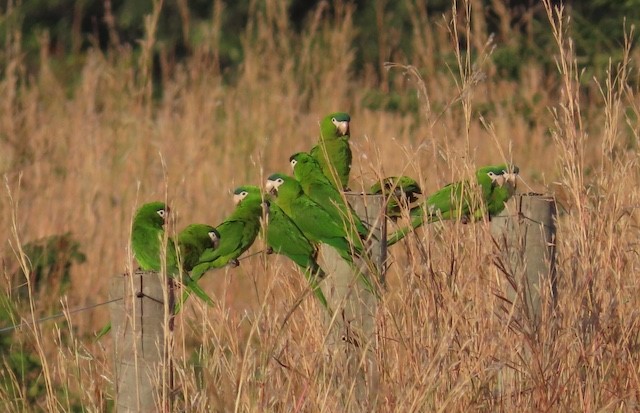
{"x":244,"y":193}
{"x":334,"y":120}
{"x":280,"y":180}
{"x":161,"y":212}
{"x":293,"y":162}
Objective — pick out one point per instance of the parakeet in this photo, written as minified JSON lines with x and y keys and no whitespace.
{"x":318,"y":187}
{"x":316,"y":223}
{"x":193,"y":241}
{"x":285,"y":238}
{"x":147,"y":238}
{"x":236,"y":234}
{"x":460,"y":200}
{"x":401,"y":192}
{"x":333,"y":152}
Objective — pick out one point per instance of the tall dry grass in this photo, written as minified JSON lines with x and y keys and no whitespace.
{"x":82,"y":161}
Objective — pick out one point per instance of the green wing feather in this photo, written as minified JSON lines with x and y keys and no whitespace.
{"x":318,"y":187}
{"x":462,"y":200}
{"x":285,"y":238}
{"x":401,"y":193}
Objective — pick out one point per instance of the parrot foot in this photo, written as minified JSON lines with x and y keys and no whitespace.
{"x":268,"y":250}
{"x":234,"y":263}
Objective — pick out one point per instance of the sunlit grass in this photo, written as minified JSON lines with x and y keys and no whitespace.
{"x":83,"y":160}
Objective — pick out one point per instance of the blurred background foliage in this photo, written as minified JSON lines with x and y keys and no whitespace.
{"x":67,"y":28}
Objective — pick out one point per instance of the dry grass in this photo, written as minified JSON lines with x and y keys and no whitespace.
{"x":82,"y":162}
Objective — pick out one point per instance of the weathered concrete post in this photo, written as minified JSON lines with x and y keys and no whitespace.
{"x":524,"y":234}
{"x":353,"y":339}
{"x":140,"y":334}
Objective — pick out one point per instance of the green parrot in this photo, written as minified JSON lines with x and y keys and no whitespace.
{"x":147,"y":235}
{"x":460,"y":200}
{"x":318,"y":187}
{"x":285,"y":238}
{"x":401,"y":191}
{"x":314,"y":222}
{"x":236,"y":234}
{"x":193,"y":241}
{"x":333,"y":152}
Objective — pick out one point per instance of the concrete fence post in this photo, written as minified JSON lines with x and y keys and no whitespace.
{"x":524,"y":235}
{"x":141,"y":348}
{"x":353,"y":339}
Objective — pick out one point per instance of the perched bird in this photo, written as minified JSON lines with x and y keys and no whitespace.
{"x":147,"y":239}
{"x":193,"y":241}
{"x":318,"y":187}
{"x":235,"y":234}
{"x":333,"y":152}
{"x":147,"y":242}
{"x":401,"y":193}
{"x":461,"y":200}
{"x":285,"y":238}
{"x":315,"y":223}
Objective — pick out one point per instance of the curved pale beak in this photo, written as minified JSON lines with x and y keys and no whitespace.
{"x":237,"y":198}
{"x":343,"y":127}
{"x":215,"y":240}
{"x":272,"y":187}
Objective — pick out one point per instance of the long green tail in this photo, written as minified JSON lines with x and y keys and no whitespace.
{"x":416,"y":222}
{"x":313,"y":275}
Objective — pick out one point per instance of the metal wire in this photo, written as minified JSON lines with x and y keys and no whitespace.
{"x":54,"y":316}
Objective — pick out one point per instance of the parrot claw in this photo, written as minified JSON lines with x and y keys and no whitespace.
{"x":234,"y":263}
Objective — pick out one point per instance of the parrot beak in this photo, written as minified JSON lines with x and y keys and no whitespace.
{"x":343,"y":127}
{"x":215,"y":240}
{"x":237,"y":199}
{"x":272,"y":188}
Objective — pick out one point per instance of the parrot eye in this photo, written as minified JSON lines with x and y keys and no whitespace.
{"x":293,"y":162}
{"x":334,"y":120}
{"x":244,"y":194}
{"x":162,"y":213}
{"x":280,"y":180}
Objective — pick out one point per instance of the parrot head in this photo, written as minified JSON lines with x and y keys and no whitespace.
{"x":273,"y":183}
{"x":301,"y":158}
{"x":507,"y":176}
{"x":241,"y":192}
{"x":335,"y":125}
{"x":214,"y":235}
{"x":154,"y":212}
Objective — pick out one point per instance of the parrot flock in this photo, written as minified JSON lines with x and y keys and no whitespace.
{"x":298,"y":213}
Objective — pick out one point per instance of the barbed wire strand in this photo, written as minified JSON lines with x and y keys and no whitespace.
{"x":89,"y":307}
{"x":58,"y":315}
